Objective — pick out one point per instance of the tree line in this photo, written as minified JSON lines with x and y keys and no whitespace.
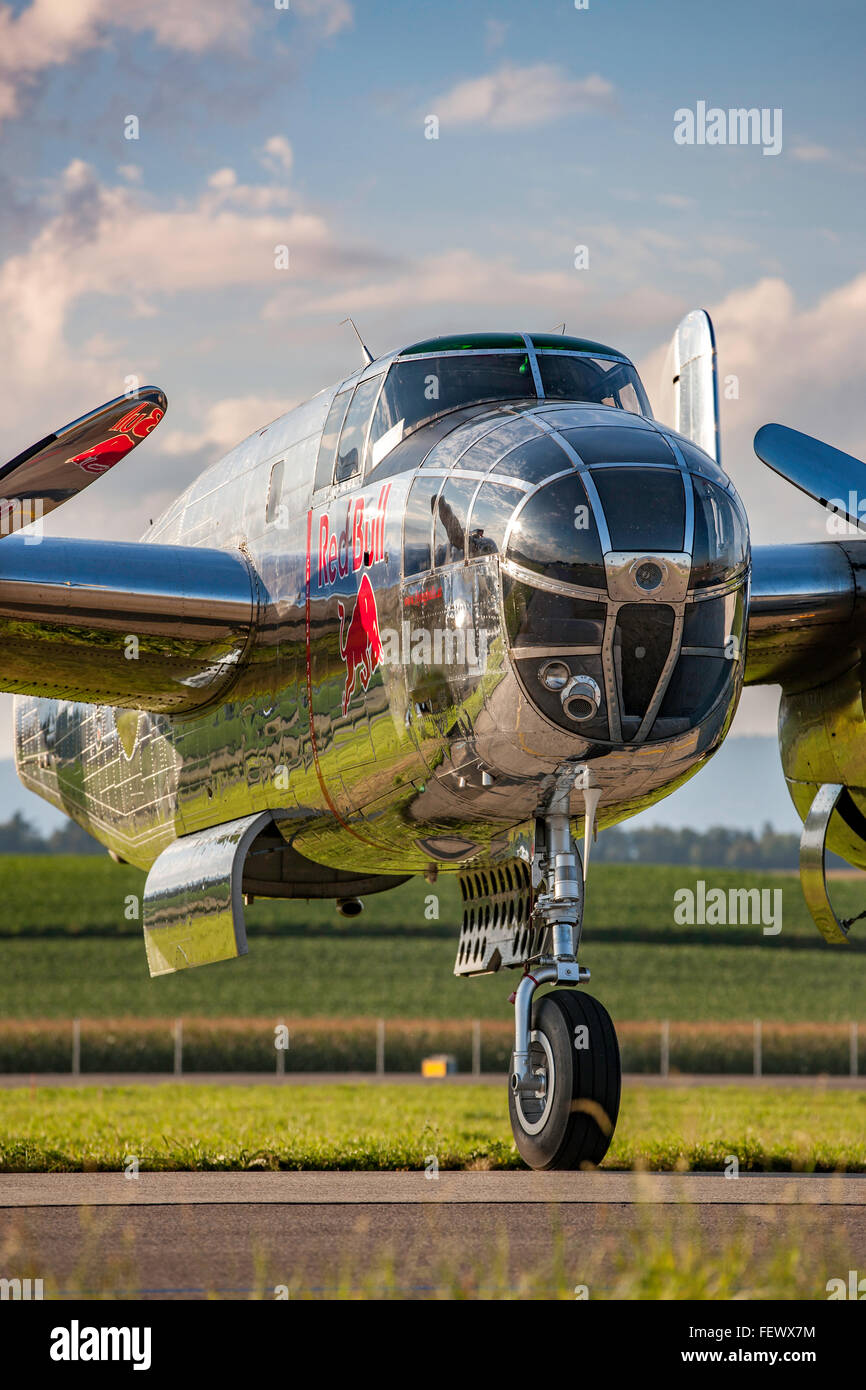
{"x":18,"y":836}
{"x":719,"y":847}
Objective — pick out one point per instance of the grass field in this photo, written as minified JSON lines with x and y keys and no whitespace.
{"x":79,"y":895}
{"x":69,"y":950}
{"x":411,"y":977}
{"x":393,"y":1126}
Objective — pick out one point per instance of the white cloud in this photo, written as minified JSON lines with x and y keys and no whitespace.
{"x":678,"y":201}
{"x":225,"y":423}
{"x":799,"y":365}
{"x":468,"y":281}
{"x":48,"y":33}
{"x":222,"y":178}
{"x":277,"y":154}
{"x":117,"y":241}
{"x":495,"y":31}
{"x":812,"y":154}
{"x":515,"y":97}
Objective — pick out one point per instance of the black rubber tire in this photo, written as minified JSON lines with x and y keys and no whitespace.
{"x":583,"y":1110}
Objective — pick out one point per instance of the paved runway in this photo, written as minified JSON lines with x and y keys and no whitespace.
{"x":415,"y":1188}
{"x":192,"y":1234}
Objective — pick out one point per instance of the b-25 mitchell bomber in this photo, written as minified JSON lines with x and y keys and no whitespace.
{"x":452,"y":615}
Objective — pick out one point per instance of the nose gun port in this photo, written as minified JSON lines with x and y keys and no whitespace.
{"x":581,"y":698}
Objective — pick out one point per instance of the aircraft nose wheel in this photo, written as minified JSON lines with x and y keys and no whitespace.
{"x":565,"y":1113}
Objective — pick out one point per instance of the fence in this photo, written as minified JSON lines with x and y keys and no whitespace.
{"x":191,"y":1045}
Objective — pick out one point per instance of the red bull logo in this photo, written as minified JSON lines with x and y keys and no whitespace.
{"x":362,"y":648}
{"x":135,"y":425}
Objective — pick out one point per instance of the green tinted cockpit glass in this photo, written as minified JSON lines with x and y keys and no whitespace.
{"x":469,"y":342}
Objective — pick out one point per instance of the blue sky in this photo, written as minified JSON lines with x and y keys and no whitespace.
{"x":261,"y":126}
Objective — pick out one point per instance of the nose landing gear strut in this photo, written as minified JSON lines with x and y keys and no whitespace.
{"x":565,"y":1068}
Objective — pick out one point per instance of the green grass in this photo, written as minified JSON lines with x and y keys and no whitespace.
{"x":77,"y":894}
{"x":394,"y":962}
{"x":411,"y":977}
{"x":393,"y":1126}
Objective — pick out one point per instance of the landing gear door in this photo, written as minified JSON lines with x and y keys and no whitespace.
{"x":688,"y":398}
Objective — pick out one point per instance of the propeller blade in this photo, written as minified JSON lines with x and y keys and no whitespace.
{"x":64,"y":463}
{"x":836,"y":480}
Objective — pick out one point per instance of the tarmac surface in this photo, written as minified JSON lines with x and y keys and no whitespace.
{"x":193,"y":1235}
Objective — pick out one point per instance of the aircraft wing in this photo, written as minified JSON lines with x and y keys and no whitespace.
{"x":154,"y":627}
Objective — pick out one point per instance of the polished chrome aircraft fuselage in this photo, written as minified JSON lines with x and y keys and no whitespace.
{"x":390,"y":712}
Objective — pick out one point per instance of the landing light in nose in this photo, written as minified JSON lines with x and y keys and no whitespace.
{"x":554,"y":674}
{"x":648,"y":575}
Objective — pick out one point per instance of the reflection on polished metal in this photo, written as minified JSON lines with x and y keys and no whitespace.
{"x":833,"y":478}
{"x":558,"y":912}
{"x":628,"y":581}
{"x":497,"y":928}
{"x":689,"y":390}
{"x":66,"y":462}
{"x":145,"y":627}
{"x":402,"y":630}
{"x":534,"y":1104}
{"x":813,"y":843}
{"x":807,"y":605}
{"x":193,"y":901}
{"x":581,"y":698}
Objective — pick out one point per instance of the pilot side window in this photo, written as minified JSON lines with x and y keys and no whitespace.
{"x":452,"y":510}
{"x":351,"y":449}
{"x":418,"y":525}
{"x":330,"y":435}
{"x":493,"y":509}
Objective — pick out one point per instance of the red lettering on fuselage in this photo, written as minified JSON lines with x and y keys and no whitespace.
{"x":360,"y":544}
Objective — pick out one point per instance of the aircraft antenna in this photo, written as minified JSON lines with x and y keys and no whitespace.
{"x":368,"y":356}
{"x":560,"y":327}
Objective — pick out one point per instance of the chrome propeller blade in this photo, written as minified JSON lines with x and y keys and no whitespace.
{"x":836,"y":480}
{"x":62,"y":464}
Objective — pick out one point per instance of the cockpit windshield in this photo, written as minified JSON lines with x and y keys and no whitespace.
{"x":419,"y":389}
{"x":570,"y":378}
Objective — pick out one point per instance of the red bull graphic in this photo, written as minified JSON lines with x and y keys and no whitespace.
{"x":135,"y":425}
{"x":358,"y":545}
{"x":362,"y":648}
